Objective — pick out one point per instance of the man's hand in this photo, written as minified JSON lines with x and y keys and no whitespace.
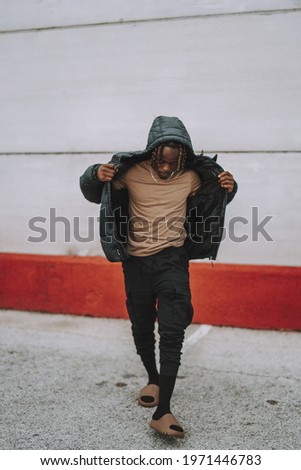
{"x":106,"y":172}
{"x":226,"y":181}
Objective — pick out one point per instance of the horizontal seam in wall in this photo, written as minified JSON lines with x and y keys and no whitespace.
{"x":150,"y":20}
{"x":112,"y":152}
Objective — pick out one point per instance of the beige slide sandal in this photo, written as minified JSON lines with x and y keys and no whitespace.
{"x":149,"y":396}
{"x":168,"y":425}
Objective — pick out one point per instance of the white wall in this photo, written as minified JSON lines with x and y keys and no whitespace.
{"x":234,"y":79}
{"x":28,"y":14}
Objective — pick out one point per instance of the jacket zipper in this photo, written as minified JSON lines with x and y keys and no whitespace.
{"x":120,"y":250}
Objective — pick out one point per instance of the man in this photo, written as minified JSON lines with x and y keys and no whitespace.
{"x":159,"y":208}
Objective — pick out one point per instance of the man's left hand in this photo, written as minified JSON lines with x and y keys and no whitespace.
{"x":226,"y":181}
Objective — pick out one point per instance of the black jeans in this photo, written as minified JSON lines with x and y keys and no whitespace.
{"x":157,"y":286}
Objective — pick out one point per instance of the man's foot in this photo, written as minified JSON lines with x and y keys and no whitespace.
{"x":149,"y":396}
{"x":168,"y":425}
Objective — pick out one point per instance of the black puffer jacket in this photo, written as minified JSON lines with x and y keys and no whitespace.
{"x":205,"y":211}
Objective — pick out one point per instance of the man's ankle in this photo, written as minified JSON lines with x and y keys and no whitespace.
{"x":160,"y":412}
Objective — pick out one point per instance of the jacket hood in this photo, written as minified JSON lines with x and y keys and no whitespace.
{"x":168,"y":129}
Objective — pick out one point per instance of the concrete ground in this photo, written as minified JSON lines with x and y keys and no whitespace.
{"x":71,"y":382}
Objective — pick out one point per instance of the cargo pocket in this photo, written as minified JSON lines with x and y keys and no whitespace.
{"x":183,"y":310}
{"x":130,"y":306}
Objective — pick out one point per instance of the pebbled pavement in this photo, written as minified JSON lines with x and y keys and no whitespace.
{"x":71,"y":382}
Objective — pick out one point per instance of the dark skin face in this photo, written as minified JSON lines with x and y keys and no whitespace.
{"x":167,"y":163}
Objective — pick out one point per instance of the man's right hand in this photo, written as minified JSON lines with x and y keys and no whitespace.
{"x":106,"y":172}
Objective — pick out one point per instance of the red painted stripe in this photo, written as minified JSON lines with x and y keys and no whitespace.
{"x":238,"y":295}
